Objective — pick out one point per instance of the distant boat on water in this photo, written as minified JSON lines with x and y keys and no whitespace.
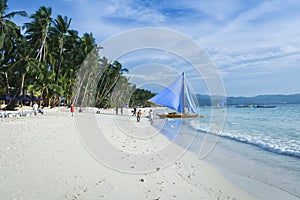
{"x":222,"y":104}
{"x":264,"y":106}
{"x":176,"y":96}
{"x":242,"y":106}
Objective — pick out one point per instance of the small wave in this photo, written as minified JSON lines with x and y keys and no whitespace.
{"x":255,"y":141}
{"x":268,"y":144}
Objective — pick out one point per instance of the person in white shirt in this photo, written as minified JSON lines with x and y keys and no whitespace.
{"x":35,"y":108}
{"x":151,"y":116}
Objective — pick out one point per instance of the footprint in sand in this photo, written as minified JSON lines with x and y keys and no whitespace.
{"x":141,"y":180}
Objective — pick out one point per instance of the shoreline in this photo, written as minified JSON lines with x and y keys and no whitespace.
{"x":44,"y":155}
{"x":255,"y":176}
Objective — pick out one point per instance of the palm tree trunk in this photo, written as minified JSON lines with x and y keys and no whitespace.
{"x":7,"y":82}
{"x":22,"y":84}
{"x":101,"y":84}
{"x":85,"y":90}
{"x":42,"y":52}
{"x":60,"y":61}
{"x":112,"y":85}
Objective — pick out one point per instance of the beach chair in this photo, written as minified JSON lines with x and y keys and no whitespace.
{"x":2,"y":114}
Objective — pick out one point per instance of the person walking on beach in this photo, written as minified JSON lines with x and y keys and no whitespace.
{"x":72,"y":109}
{"x":151,"y":116}
{"x":138,"y":116}
{"x":35,"y":108}
{"x":134,"y":111}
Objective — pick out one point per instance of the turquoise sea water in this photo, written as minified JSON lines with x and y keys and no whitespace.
{"x":272,"y":129}
{"x":261,"y":145}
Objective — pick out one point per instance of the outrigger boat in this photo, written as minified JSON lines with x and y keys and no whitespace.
{"x":178,"y":115}
{"x":176,"y":96}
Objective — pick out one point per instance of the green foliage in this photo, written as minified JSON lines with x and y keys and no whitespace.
{"x":50,"y":60}
{"x":140,"y":98}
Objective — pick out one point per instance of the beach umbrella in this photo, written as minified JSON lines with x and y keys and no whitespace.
{"x":35,"y":98}
{"x":24,"y":98}
{"x":7,"y":97}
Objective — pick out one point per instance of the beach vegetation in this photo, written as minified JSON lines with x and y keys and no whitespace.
{"x":45,"y":58}
{"x":140,"y":98}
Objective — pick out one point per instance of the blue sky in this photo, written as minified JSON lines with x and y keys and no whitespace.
{"x":254,"y":44}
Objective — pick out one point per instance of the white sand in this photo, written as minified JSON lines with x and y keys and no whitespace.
{"x":56,"y":156}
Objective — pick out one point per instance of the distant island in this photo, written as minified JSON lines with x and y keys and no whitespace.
{"x":256,"y":100}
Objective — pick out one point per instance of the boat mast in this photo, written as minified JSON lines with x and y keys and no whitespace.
{"x":182,"y":103}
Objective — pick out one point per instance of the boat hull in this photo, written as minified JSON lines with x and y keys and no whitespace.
{"x":264,"y":106}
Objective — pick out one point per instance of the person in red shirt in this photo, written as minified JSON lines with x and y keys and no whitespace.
{"x":72,"y":109}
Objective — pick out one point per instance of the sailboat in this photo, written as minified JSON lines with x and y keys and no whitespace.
{"x":176,"y":96}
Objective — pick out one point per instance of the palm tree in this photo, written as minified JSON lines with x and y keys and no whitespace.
{"x":5,"y":23}
{"x":44,"y":86}
{"x":110,"y":77}
{"x":88,"y":43}
{"x":73,"y":58}
{"x":86,"y":80}
{"x":23,"y":64}
{"x":9,"y":31}
{"x":37,"y":32}
{"x":60,"y":30}
{"x":121,"y":93}
{"x":50,"y":56}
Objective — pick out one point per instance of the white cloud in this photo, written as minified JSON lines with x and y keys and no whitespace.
{"x":244,"y":38}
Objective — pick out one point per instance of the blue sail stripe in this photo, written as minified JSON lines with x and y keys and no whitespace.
{"x":173,"y":96}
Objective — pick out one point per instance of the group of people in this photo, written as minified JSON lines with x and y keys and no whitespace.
{"x":36,"y":109}
{"x":134,"y":113}
{"x":139,"y":114}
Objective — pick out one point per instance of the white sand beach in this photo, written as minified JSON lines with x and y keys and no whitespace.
{"x":54,"y":156}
